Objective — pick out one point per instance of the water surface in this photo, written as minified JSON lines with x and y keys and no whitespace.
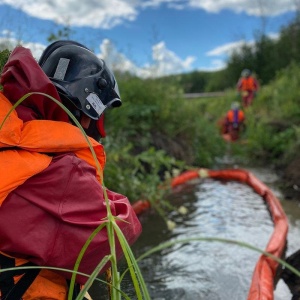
{"x":202,"y":269}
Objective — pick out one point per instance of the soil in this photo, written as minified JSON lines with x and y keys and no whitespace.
{"x":291,"y":180}
{"x":178,"y":149}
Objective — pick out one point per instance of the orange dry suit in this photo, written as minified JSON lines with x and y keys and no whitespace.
{"x":233,"y":123}
{"x":247,"y":84}
{"x":51,"y":196}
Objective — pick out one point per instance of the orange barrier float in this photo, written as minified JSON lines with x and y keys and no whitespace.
{"x":262,"y":285}
{"x":141,"y":206}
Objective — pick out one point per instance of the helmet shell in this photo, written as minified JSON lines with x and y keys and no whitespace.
{"x":246,"y":73}
{"x":81,"y":77}
{"x":235,"y":105}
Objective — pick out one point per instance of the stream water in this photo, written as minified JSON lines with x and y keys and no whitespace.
{"x":210,"y":270}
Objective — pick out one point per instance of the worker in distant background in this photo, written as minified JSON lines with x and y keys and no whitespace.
{"x":247,"y":87}
{"x":233,"y":123}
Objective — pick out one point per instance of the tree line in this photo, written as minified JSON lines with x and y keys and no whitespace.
{"x":265,"y":58}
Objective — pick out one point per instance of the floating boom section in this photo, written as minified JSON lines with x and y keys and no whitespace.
{"x":262,"y":285}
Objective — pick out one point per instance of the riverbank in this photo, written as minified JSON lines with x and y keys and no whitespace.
{"x":290,"y":176}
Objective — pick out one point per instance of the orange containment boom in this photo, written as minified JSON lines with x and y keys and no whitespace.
{"x":262,"y":285}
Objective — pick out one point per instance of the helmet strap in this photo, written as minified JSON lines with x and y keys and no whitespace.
{"x":85,"y":121}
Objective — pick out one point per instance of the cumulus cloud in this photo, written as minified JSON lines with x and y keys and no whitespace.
{"x":10,"y":43}
{"x":254,"y":7}
{"x":110,"y":13}
{"x":165,"y":62}
{"x":228,"y":48}
{"x":117,"y":60}
{"x":99,"y":14}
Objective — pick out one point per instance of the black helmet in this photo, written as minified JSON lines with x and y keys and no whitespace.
{"x":81,"y":77}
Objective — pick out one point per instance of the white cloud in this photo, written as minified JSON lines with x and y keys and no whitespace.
{"x":165,"y":62}
{"x":253,"y":7}
{"x":6,"y":32}
{"x":93,"y":13}
{"x":109,"y":13}
{"x":10,"y":43}
{"x":224,"y":51}
{"x":117,"y":60}
{"x":228,"y":48}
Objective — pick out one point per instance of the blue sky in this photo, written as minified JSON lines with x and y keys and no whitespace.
{"x":147,"y":37}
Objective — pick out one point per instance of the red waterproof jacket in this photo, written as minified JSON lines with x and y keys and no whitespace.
{"x":50,"y":192}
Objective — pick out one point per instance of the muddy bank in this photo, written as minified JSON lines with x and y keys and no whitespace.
{"x":291,"y":179}
{"x":181,"y":149}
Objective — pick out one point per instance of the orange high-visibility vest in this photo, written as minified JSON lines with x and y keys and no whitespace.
{"x":248,"y":84}
{"x":231,"y":117}
{"x":23,"y":155}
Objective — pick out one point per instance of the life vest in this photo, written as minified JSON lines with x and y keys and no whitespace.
{"x":235,"y":116}
{"x":248,"y":84}
{"x":23,"y":155}
{"x":26,"y":144}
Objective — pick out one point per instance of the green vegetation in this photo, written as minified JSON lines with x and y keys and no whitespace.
{"x":154,"y":132}
{"x":274,"y":120}
{"x":3,"y":58}
{"x":157,"y":130}
{"x":266,"y":57}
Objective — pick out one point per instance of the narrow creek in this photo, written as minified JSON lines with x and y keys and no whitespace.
{"x":205,"y":269}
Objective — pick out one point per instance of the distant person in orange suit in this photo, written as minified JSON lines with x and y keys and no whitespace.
{"x":233,"y":123}
{"x":247,"y":87}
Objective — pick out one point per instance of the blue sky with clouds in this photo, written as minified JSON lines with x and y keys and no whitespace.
{"x":147,"y":37}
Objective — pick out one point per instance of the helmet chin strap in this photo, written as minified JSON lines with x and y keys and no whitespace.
{"x":85,"y":121}
{"x":93,"y":128}
{"x":100,"y":126}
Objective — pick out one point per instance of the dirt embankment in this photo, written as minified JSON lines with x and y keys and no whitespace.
{"x":291,"y":180}
{"x":178,"y":149}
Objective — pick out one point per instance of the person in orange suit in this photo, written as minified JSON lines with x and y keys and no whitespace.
{"x":52,"y":196}
{"x":233,"y":123}
{"x":247,"y":87}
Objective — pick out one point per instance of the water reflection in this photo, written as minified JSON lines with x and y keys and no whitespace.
{"x":202,"y":269}
{"x":214,"y":270}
